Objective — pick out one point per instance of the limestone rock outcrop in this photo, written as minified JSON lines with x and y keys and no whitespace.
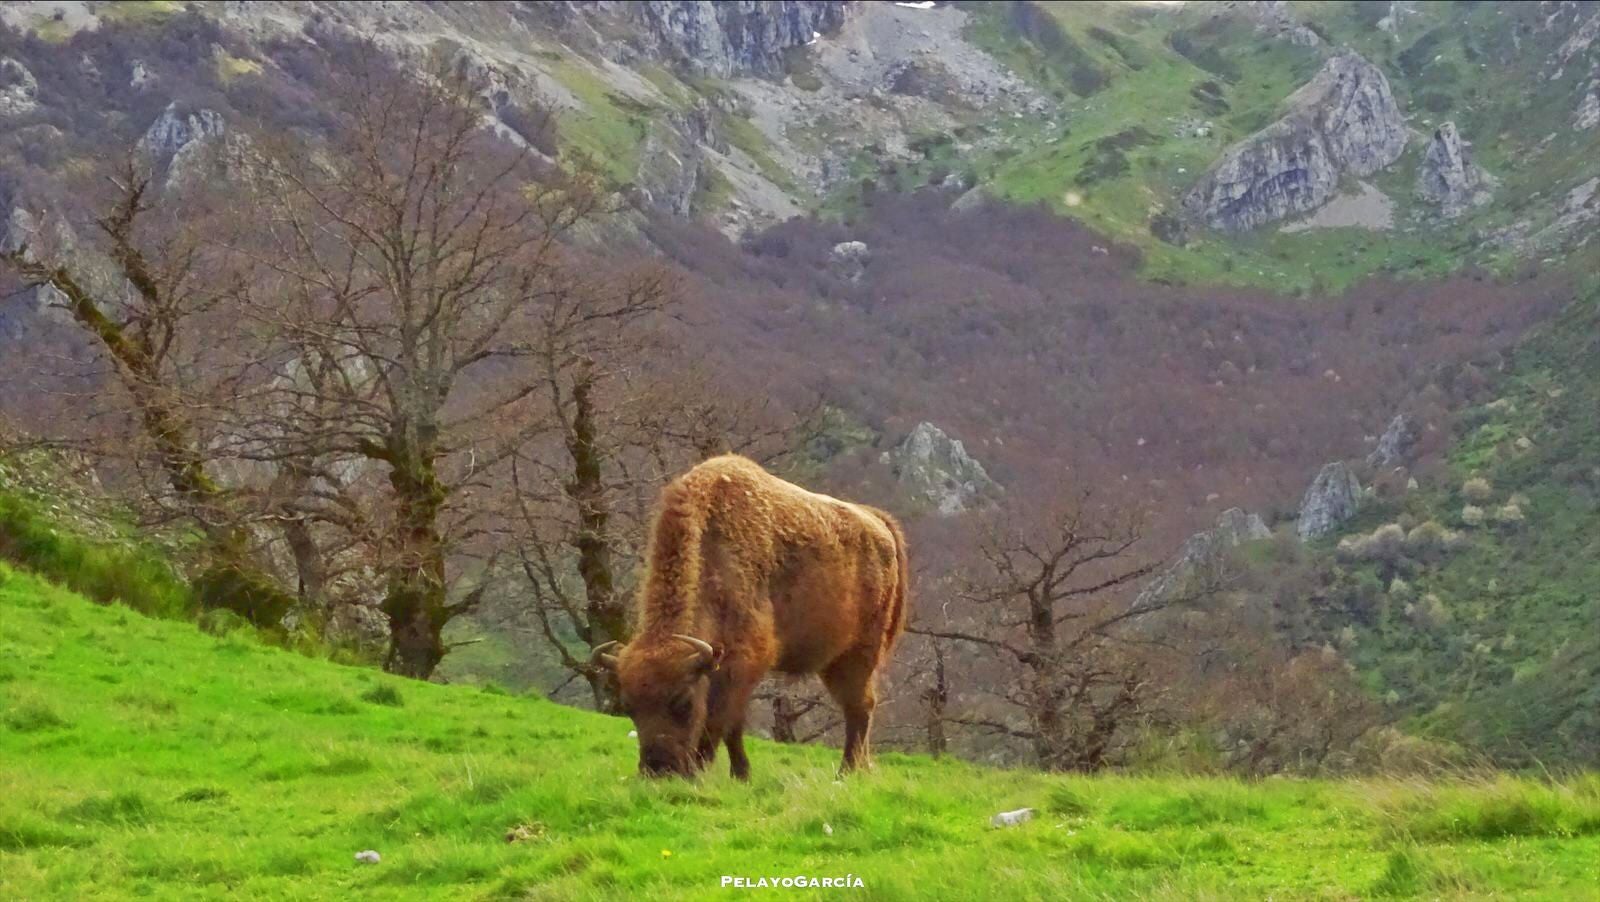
{"x":1448,"y":177}
{"x":19,"y":90}
{"x":1333,"y":498}
{"x":1234,"y":527}
{"x":1344,"y":121}
{"x":1396,"y":445}
{"x":937,"y":470}
{"x":733,"y":37}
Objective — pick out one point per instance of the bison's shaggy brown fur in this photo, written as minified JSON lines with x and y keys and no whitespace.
{"x":768,"y":576}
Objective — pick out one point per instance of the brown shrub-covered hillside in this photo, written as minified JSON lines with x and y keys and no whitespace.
{"x":1029,"y":338}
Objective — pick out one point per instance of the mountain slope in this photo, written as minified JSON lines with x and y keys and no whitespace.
{"x":747,"y":116}
{"x":1173,"y":89}
{"x":143,"y":757}
{"x":1490,"y":641}
{"x":1012,"y":328}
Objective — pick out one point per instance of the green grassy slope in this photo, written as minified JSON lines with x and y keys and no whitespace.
{"x":1510,"y":661}
{"x":1151,"y":97}
{"x":142,"y":757}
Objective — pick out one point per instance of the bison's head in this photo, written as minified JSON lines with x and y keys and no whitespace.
{"x":663,"y":688}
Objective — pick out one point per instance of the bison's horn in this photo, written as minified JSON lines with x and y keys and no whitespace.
{"x":700,"y":645}
{"x":602,"y":654}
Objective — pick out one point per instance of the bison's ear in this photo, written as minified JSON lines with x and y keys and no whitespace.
{"x":713,"y":662}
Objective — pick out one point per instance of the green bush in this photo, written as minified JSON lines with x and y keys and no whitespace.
{"x":244,"y":593}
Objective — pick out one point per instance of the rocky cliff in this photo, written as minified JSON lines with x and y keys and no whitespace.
{"x":1397,"y":445}
{"x":936,"y":470}
{"x":1343,"y":121}
{"x":732,"y":37}
{"x":19,"y":90}
{"x":1448,"y":178}
{"x":1332,"y":499}
{"x":1276,"y":18}
{"x":1233,"y":528}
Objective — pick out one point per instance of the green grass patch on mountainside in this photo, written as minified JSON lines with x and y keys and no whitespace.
{"x":609,"y":131}
{"x":1495,"y":644}
{"x":1530,"y":588}
{"x":1129,"y":152}
{"x":143,"y":757}
{"x":96,"y":550}
{"x":1189,"y":83}
{"x":138,"y":12}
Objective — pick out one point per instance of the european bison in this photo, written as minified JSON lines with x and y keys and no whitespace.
{"x":748,"y":574}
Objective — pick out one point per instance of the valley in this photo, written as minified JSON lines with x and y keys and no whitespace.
{"x":1290,"y":306}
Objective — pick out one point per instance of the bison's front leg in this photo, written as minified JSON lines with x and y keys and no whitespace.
{"x":706,"y":752}
{"x":725,"y":716}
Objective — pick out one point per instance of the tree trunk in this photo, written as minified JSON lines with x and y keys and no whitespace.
{"x":416,"y":603}
{"x":1049,"y":733}
{"x":415,"y":646}
{"x":606,"y":617}
{"x":310,"y":570}
{"x":1049,"y":730}
{"x":785,"y":718}
{"x":310,"y":574}
{"x":937,"y":697}
{"x":234,"y":577}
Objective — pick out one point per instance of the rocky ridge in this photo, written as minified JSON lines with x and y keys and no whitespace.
{"x":1448,"y":178}
{"x":1233,"y":528}
{"x":1344,"y":121}
{"x":936,"y":470}
{"x":1333,"y":498}
{"x":1275,"y":17}
{"x":732,"y":37}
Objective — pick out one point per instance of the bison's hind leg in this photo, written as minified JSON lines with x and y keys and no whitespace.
{"x":850,"y":682}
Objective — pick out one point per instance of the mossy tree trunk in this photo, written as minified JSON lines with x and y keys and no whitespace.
{"x":416,"y":602}
{"x":606,"y":615}
{"x":138,"y":347}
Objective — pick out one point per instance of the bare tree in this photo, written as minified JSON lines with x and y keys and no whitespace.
{"x":581,"y":487}
{"x":936,"y":701}
{"x":1048,"y":596}
{"x":1280,"y":710}
{"x":792,"y":707}
{"x":149,"y":291}
{"x":411,"y":269}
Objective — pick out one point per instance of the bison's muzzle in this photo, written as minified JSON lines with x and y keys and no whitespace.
{"x":660,"y":762}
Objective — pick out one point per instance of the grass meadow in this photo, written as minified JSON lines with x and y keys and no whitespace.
{"x":145,"y":757}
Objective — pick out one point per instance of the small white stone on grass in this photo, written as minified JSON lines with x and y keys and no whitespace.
{"x":369,"y":856}
{"x":1012,"y":818}
{"x":827,"y":829}
{"x":633,"y":734}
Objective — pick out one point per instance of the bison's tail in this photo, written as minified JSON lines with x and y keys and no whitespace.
{"x":672,"y":583}
{"x":899,"y":600}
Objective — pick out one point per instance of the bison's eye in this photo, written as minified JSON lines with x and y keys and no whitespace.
{"x":680,"y":708}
